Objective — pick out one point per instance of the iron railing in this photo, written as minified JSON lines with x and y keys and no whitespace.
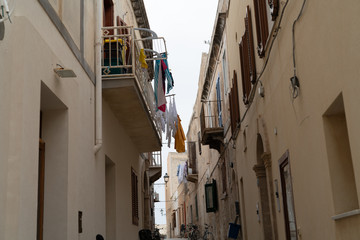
{"x":120,"y":60}
{"x":211,"y":116}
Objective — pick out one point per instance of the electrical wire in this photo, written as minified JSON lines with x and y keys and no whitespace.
{"x":295,"y":89}
{"x":10,"y":13}
{"x":253,"y":90}
{"x":293,"y":35}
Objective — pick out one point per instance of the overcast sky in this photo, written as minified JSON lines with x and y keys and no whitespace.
{"x":185,"y":25}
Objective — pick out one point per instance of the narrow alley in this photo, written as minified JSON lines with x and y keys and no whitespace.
{"x":164,"y":119}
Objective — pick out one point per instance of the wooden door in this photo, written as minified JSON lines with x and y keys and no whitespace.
{"x":41,"y":181}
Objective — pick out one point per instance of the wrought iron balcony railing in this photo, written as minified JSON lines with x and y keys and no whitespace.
{"x":121,"y":47}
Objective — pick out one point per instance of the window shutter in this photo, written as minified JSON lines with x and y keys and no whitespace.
{"x":199,"y":142}
{"x":234,"y":105}
{"x":223,"y":175}
{"x":247,"y":57}
{"x":251,"y":54}
{"x":274,"y":8}
{"x":245,"y":69}
{"x":192,"y":156}
{"x":262,"y":30}
{"x":218,"y":100}
{"x":236,"y":98}
{"x":134,"y":198}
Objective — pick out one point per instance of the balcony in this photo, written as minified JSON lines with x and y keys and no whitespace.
{"x":212,"y":130}
{"x":155,"y":166}
{"x":127,"y":87}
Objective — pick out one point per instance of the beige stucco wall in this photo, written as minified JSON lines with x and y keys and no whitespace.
{"x":30,"y":60}
{"x":74,"y":175}
{"x":326,"y":58}
{"x":326,"y":67}
{"x":175,"y":193}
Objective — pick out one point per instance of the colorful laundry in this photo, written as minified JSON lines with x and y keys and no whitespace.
{"x":180,"y":137}
{"x":169,"y":77}
{"x":142,"y":58}
{"x":159,"y":90}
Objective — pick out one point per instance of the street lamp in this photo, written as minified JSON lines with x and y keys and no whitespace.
{"x":166,"y":178}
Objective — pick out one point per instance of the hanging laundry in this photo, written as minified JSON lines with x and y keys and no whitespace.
{"x":178,"y":170}
{"x":160,"y":117}
{"x":174,"y":116}
{"x":170,"y":80}
{"x":159,"y":90}
{"x":171,"y":120}
{"x":179,"y":137}
{"x":182,"y":173}
{"x":142,"y":58}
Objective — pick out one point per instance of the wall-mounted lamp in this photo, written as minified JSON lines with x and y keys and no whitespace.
{"x":166,"y":178}
{"x":64,"y":72}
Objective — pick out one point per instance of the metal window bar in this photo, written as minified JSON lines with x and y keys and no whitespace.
{"x":155,"y":159}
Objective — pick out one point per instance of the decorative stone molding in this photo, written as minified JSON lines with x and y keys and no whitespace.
{"x":260,"y":170}
{"x":266,"y":157}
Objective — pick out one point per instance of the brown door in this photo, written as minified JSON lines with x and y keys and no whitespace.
{"x":40,"y":214}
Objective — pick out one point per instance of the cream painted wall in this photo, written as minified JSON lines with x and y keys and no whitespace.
{"x":31,"y":61}
{"x":175,"y":192}
{"x":326,"y":66}
{"x":119,"y":148}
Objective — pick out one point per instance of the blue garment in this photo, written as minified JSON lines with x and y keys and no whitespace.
{"x":170,"y":80}
{"x":178,"y":170}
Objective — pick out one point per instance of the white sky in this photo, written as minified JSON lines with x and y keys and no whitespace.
{"x":185,"y":25}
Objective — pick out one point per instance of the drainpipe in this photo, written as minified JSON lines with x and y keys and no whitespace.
{"x":98,"y":84}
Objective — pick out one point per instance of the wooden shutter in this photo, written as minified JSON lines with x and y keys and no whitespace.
{"x":192,"y":156}
{"x":41,"y":187}
{"x":120,"y":22}
{"x":262,"y":29}
{"x":250,"y":40}
{"x":199,"y":142}
{"x":274,"y":8}
{"x":134,"y":198}
{"x":234,"y":105}
{"x":247,"y":58}
{"x":108,"y":18}
{"x":223,"y":175}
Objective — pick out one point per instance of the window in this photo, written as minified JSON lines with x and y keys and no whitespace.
{"x":223,"y":175}
{"x":247,"y":58}
{"x":196,"y":208}
{"x":192,"y":156}
{"x":134,"y":198}
{"x":191,"y":214}
{"x":234,"y":105}
{"x":341,"y":168}
{"x":199,"y":142}
{"x":174,"y":219}
{"x":225,"y":73}
{"x":218,"y":101}
{"x":211,"y":197}
{"x":264,"y":15}
{"x":108,"y":15}
{"x":288,"y":200}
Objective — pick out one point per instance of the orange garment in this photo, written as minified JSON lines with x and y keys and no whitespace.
{"x":179,"y":137}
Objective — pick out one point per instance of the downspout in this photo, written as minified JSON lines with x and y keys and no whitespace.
{"x":98,"y":84}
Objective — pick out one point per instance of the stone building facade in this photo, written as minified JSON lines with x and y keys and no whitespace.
{"x":274,"y":125}
{"x":71,"y":166}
